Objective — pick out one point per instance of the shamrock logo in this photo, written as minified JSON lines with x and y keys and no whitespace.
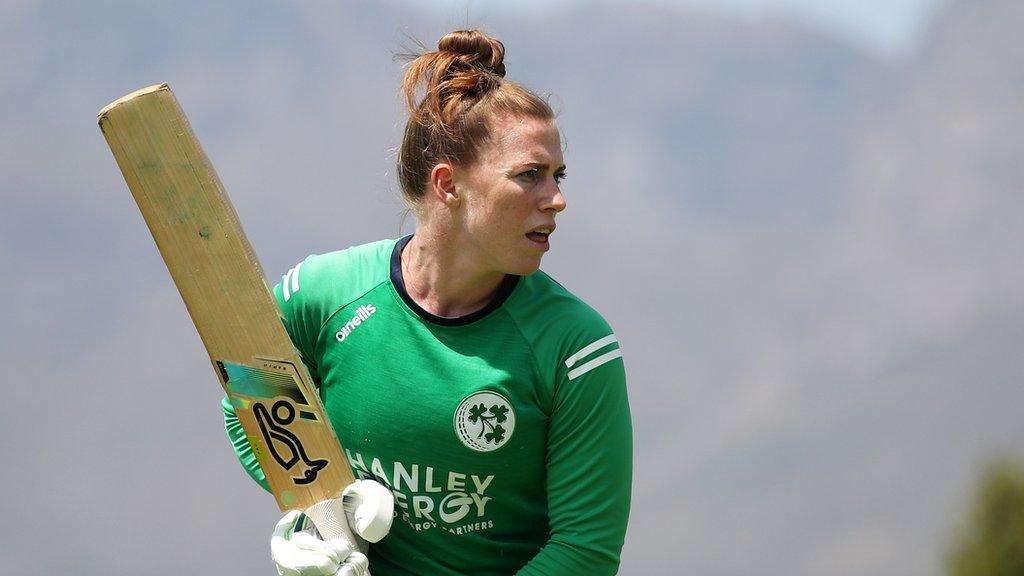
{"x":490,"y":419}
{"x":497,"y":434}
{"x":499,"y":412}
{"x":477,"y":412}
{"x":484,"y":421}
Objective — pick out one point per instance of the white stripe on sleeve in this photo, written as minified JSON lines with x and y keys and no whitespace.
{"x":588,"y":349}
{"x":290,"y":282}
{"x":588,"y":366}
{"x":295,"y":277}
{"x":285,"y":283}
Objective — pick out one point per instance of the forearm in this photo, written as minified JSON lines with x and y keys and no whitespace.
{"x":560,"y":557}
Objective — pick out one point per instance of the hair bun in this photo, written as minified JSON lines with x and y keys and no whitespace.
{"x":475,"y":48}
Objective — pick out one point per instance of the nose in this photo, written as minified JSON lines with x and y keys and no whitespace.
{"x":555,"y":200}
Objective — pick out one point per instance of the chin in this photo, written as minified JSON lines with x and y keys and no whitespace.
{"x":524,"y":267}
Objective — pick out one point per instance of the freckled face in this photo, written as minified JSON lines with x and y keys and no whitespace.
{"x":511,"y":194}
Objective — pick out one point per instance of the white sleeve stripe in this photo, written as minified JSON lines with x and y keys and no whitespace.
{"x":587,"y":367}
{"x":588,"y":349}
{"x":285,"y":281}
{"x":290,"y":280}
{"x":295,"y":277}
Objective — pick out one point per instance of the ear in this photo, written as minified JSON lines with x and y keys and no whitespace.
{"x":442,"y":184}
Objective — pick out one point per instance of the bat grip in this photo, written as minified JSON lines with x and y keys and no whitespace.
{"x":330,"y":520}
{"x":332,"y":523}
{"x":363,"y":514}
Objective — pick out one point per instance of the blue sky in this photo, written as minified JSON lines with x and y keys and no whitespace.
{"x":888,"y":26}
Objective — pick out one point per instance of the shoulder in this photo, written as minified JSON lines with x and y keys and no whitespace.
{"x":333,"y":279}
{"x":568,"y":336}
{"x":541,"y":300}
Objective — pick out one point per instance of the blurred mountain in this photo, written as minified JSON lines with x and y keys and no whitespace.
{"x":809,"y":253}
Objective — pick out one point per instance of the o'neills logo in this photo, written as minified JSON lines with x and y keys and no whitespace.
{"x":362,"y":313}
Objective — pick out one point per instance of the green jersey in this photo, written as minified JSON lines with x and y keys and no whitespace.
{"x":505,"y":434}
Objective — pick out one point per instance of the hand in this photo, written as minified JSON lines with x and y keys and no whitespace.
{"x":321,"y":542}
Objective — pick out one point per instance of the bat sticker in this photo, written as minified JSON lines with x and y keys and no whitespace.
{"x":273,"y":424}
{"x":273,"y":379}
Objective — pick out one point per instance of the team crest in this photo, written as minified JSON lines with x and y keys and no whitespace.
{"x":484,"y":421}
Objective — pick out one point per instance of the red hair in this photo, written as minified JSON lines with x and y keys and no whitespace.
{"x":463,"y":86}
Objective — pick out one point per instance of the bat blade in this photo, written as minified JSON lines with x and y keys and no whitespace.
{"x":223,"y":286}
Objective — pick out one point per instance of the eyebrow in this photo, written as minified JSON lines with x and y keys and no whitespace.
{"x":541,"y":165}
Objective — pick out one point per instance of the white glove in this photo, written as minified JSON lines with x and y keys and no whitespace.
{"x":320,"y":541}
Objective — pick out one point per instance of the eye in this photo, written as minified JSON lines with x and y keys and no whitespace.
{"x":530,"y":175}
{"x":560,"y":177}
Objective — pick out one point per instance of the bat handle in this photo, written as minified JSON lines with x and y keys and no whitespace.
{"x":332,"y":523}
{"x":329,"y":518}
{"x":363,"y":514}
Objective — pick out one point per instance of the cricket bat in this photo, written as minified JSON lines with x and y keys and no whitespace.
{"x":226,"y":293}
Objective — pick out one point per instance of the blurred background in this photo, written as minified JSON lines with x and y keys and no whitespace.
{"x":802,"y":218}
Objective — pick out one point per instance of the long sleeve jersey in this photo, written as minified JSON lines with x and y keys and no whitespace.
{"x":504,"y":435}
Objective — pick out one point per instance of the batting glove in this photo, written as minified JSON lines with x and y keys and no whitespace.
{"x":329,"y":538}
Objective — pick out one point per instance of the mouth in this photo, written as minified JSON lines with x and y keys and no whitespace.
{"x":540,"y":235}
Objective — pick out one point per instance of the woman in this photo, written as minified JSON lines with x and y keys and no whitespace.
{"x":488,"y":399}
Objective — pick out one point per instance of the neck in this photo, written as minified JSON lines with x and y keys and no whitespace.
{"x":444,"y":280}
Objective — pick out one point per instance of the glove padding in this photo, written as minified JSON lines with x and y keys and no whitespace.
{"x":298,"y":550}
{"x":330,"y":548}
